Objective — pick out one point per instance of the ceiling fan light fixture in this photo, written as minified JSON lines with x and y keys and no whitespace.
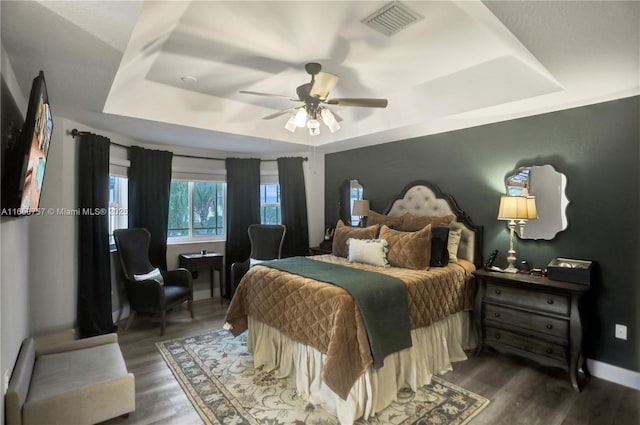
{"x":291,"y":123}
{"x":314,"y":95}
{"x":329,"y":120}
{"x":314,"y":127}
{"x":301,"y":117}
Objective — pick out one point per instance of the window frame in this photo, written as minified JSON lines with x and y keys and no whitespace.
{"x":277,"y":205}
{"x":118,"y":212}
{"x":192,"y":238}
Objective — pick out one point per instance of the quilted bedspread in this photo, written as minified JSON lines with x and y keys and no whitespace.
{"x":326,"y":317}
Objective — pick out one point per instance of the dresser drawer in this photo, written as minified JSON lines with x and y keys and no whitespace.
{"x":526,"y":343}
{"x":542,"y":301}
{"x":530,"y":321}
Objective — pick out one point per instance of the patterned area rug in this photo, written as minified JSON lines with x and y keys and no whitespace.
{"x":216,"y":372}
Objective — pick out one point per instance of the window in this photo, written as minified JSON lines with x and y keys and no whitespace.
{"x":270,"y":212}
{"x":118,"y":203}
{"x":196,"y":209}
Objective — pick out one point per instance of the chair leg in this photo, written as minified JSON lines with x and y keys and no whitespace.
{"x":132,"y":315}
{"x":163,"y":320}
{"x":190,"y":305}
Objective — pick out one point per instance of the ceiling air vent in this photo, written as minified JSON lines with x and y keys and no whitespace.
{"x":392,"y":18}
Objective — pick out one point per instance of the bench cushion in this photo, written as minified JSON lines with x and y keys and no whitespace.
{"x":59,"y":373}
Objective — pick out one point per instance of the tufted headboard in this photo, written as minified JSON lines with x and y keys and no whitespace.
{"x":422,"y":198}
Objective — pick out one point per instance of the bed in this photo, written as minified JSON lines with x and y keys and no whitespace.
{"x":314,"y":332}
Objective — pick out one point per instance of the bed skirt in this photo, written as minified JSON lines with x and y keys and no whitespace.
{"x":434,"y":349}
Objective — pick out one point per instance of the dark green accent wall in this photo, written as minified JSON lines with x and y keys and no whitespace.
{"x":597,"y":147}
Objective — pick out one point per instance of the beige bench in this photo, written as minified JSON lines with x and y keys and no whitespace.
{"x":83,"y":381}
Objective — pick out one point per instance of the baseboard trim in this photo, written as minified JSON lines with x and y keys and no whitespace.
{"x":626,"y":377}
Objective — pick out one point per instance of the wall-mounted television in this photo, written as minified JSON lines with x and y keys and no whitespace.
{"x":25,"y":155}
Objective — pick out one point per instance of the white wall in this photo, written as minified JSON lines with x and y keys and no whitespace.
{"x":14,"y":290}
{"x":14,"y":264}
{"x":53,"y":240}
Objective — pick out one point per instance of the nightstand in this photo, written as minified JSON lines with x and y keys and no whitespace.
{"x":533,"y":317}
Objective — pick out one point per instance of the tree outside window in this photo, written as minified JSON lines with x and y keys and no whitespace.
{"x":196,"y":209}
{"x":270,"y":212}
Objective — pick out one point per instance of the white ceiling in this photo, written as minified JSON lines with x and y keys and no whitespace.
{"x":117,"y":66}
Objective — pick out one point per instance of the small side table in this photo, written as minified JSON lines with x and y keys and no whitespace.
{"x":199,"y":262}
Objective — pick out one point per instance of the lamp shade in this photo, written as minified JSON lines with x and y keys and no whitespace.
{"x":517,"y":208}
{"x":291,"y":123}
{"x":361,"y":207}
{"x":531,"y":208}
{"x":301,"y":117}
{"x":330,"y":120}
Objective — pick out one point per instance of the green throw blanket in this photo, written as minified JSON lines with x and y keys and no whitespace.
{"x":382,"y":300}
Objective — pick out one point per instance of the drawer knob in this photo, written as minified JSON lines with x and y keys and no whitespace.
{"x":497,"y":336}
{"x":549,"y":301}
{"x":549,"y":326}
{"x":498,"y":292}
{"x":496,"y":314}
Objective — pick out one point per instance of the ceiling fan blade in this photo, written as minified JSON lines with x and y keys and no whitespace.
{"x":257,"y":93}
{"x":277,"y":114}
{"x":366,"y":102}
{"x":323,"y":83}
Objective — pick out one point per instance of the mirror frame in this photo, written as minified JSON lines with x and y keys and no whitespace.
{"x":551,"y":202}
{"x":344,"y":200}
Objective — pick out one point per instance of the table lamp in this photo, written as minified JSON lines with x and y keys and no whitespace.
{"x":514,"y":208}
{"x":361,"y":208}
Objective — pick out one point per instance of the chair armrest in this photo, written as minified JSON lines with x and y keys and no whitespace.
{"x":178,"y":277}
{"x":77,"y":344}
{"x":18,"y":389}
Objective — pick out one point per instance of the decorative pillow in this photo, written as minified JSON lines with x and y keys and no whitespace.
{"x":411,"y":250}
{"x":388,"y":220}
{"x":414,"y":222}
{"x":439,"y":243}
{"x":452,"y":245}
{"x":152,"y":275}
{"x":368,"y":251}
{"x":344,"y":232}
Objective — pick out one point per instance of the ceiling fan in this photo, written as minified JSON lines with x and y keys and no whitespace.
{"x":314,"y":95}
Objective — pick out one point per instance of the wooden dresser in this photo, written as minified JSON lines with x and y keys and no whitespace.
{"x":533,"y":317}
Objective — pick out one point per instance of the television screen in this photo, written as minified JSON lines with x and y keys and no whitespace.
{"x":26,"y":157}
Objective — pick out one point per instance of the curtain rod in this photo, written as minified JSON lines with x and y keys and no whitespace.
{"x":75,"y":132}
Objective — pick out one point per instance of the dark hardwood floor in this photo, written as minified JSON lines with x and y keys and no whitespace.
{"x":521,"y":392}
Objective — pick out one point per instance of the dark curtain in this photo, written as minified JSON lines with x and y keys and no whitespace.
{"x":94,"y":270}
{"x":243,"y":209}
{"x":293,"y":203}
{"x":149,"y":188}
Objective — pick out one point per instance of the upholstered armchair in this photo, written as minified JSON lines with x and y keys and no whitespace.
{"x":150,"y":290}
{"x":266,"y":244}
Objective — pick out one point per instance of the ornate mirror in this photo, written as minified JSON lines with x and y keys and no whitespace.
{"x":350,"y":190}
{"x":548,"y":186}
